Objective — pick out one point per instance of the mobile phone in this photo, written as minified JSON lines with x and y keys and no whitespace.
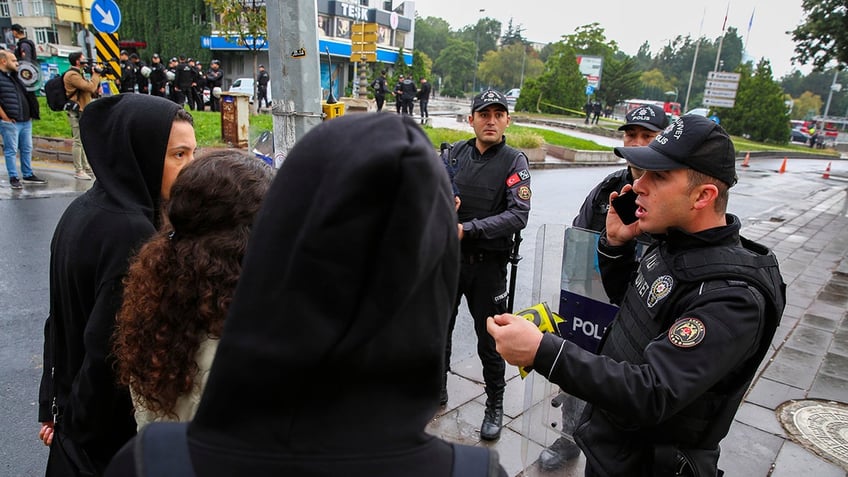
{"x":625,"y":207}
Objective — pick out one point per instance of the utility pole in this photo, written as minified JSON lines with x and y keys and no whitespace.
{"x":294,"y":59}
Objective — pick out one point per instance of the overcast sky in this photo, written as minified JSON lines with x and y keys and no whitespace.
{"x":630,"y":23}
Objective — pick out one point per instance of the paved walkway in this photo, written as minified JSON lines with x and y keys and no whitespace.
{"x":809,"y":359}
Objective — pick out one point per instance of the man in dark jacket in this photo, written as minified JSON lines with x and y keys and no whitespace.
{"x":423,"y":96}
{"x":183,"y":83}
{"x":262,"y":79}
{"x":215,"y":79}
{"x":138,"y":71}
{"x":16,"y":126}
{"x":698,"y":314}
{"x":407,"y":95}
{"x":380,"y":86}
{"x":493,"y":181}
{"x":136,"y":145}
{"x":158,"y":79}
{"x":127,"y":82}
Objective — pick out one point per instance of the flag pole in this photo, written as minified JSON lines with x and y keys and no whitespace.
{"x":721,"y":38}
{"x":694,"y":62}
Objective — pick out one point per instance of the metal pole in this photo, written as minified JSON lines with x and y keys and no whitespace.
{"x":830,"y":94}
{"x":476,"y":52}
{"x":691,"y":76}
{"x":294,"y":60}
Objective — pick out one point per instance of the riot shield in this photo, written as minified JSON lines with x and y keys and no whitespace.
{"x":565,"y":273}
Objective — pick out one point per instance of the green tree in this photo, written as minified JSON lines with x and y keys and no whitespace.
{"x":806,"y":106}
{"x":559,"y":87}
{"x":759,"y":112}
{"x":431,"y":35}
{"x":244,"y":21}
{"x":654,"y":84}
{"x":513,"y":35}
{"x":823,"y":36}
{"x":455,"y":64}
{"x":169,"y":28}
{"x":621,"y":81}
{"x":591,"y":40}
{"x":422,"y":65}
{"x":503,"y":69}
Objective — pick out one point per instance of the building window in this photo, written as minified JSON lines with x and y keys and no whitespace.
{"x":4,"y":8}
{"x":46,"y":35}
{"x":19,"y":7}
{"x":37,"y":8}
{"x":324,"y":25}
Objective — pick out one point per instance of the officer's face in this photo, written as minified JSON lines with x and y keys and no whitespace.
{"x":638,"y":136}
{"x":489,"y":125}
{"x":666,"y":200}
{"x":180,"y":151}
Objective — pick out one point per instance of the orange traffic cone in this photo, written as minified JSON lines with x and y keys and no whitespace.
{"x":826,"y":174}
{"x":782,"y":167}
{"x":747,"y":159}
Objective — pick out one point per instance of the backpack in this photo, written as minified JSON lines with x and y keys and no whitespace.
{"x":377,"y":85}
{"x":54,"y":91}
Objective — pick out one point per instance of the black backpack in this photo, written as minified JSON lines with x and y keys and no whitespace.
{"x":54,"y":91}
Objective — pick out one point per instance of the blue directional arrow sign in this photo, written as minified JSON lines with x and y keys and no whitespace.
{"x":589,"y":90}
{"x":105,"y":16}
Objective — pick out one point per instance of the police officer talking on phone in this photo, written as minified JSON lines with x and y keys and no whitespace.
{"x":697,"y":316}
{"x":493,"y":181}
{"x":641,"y":126}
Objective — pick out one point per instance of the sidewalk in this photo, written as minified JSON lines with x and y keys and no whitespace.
{"x":809,"y":360}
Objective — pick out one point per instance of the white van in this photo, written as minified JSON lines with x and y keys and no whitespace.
{"x":245,"y":85}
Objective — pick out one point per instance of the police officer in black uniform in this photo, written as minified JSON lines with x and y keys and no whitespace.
{"x":171,"y":76}
{"x":127,"y":82}
{"x":493,"y":181}
{"x":158,"y":79}
{"x":183,"y":83}
{"x":697,"y":316}
{"x":641,"y":126}
{"x":262,"y":79}
{"x":215,"y":79}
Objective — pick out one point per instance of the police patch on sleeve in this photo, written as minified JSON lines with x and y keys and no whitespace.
{"x":519,"y":176}
{"x":524,"y":193}
{"x":687,"y":333}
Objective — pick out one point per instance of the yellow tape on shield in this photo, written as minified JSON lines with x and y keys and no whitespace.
{"x":544,"y":319}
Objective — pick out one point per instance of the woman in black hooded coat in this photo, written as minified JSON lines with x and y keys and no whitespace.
{"x":332,"y":355}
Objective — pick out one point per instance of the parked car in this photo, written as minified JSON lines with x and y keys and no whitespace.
{"x":245,"y":85}
{"x":797,"y":135}
{"x":699,"y":112}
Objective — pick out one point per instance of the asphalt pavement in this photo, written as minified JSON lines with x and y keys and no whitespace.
{"x":808,"y":359}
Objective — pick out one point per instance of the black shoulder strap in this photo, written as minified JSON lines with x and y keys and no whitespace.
{"x":161,"y":450}
{"x":471,"y":461}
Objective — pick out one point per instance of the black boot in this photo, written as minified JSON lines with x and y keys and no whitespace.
{"x":555,"y":456}
{"x":492,"y":419}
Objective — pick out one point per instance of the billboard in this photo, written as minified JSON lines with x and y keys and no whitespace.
{"x":591,"y":68}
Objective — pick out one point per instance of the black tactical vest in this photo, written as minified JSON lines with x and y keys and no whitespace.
{"x":482,"y":189}
{"x":666,"y":283}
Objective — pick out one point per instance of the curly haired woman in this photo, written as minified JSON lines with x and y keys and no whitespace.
{"x":180,"y":285}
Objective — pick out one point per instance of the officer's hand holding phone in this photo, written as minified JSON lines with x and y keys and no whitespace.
{"x":622,"y":223}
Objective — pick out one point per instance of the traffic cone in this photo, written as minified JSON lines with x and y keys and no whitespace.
{"x":782,"y":167}
{"x":826,"y":174}
{"x":747,"y":159}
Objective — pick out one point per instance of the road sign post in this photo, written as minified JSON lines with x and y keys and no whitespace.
{"x":105,"y":16}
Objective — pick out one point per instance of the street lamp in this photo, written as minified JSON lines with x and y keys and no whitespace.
{"x":476,"y":51}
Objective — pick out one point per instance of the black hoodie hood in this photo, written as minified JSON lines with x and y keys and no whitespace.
{"x":333,"y":348}
{"x":125,"y":138}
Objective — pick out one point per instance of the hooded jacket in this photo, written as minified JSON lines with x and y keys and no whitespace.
{"x":331,"y":358}
{"x":125,"y":138}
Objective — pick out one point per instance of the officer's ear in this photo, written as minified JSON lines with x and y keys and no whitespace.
{"x":704,"y":196}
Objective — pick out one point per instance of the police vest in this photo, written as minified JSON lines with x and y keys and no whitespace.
{"x":667,"y":282}
{"x":482,"y":190}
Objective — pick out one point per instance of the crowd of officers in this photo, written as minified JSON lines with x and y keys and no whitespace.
{"x":183,"y":80}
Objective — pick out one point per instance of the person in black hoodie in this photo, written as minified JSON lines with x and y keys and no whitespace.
{"x":332,"y":354}
{"x":136,"y":145}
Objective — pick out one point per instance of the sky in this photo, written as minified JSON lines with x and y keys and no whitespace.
{"x":631,"y":23}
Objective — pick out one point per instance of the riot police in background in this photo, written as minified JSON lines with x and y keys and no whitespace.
{"x":183,"y":82}
{"x":158,"y":79}
{"x":262,"y":88}
{"x":192,"y":93}
{"x":171,"y":76}
{"x":201,"y":86}
{"x":215,"y":79}
{"x":141,"y":71}
{"x":127,"y":82}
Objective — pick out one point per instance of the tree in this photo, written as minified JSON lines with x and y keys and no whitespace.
{"x":503,"y":69}
{"x":169,"y":28}
{"x":591,"y":40}
{"x":455,"y":64}
{"x":245,"y":22}
{"x":513,"y":35}
{"x":431,"y":35}
{"x":560,"y":87}
{"x":806,"y":106}
{"x":421,"y":65}
{"x":759,"y":112}
{"x":621,"y":81}
{"x":654,"y":84}
{"x":823,"y":37}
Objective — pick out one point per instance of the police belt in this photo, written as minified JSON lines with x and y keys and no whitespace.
{"x":480,"y":256}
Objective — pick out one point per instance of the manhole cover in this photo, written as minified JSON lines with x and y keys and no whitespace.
{"x":819,"y":426}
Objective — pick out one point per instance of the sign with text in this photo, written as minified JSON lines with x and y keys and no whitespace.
{"x":720,"y":90}
{"x":591,"y":68}
{"x":724,"y":76}
{"x":719,"y":102}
